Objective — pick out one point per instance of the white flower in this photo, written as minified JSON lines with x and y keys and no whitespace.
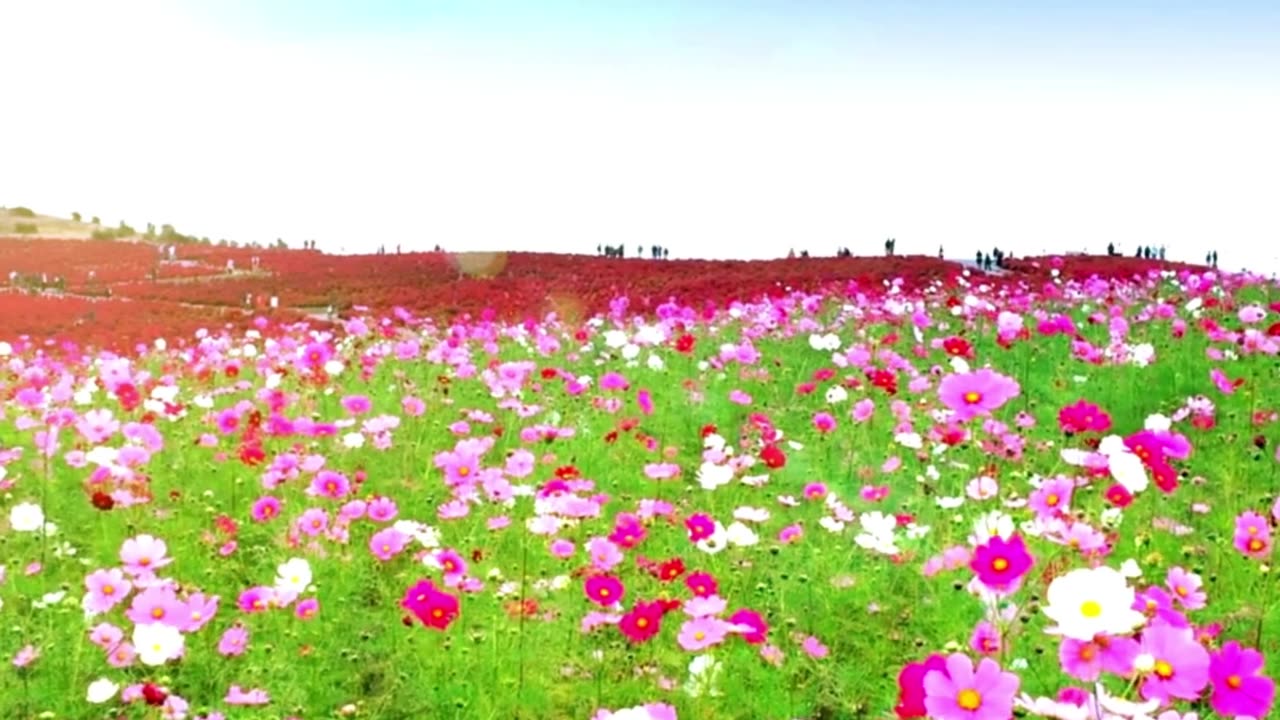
{"x":26,"y":517}
{"x":1142,"y":355}
{"x":990,"y":525}
{"x":655,"y":363}
{"x":293,"y":577}
{"x":5,"y":349}
{"x":718,"y":541}
{"x":959,"y":365}
{"x":741,"y":535}
{"x":1130,"y":568}
{"x":101,"y":690}
{"x":704,"y":671}
{"x":949,"y":503}
{"x":353,"y":441}
{"x":1158,"y":423}
{"x":751,"y":514}
{"x":614,"y":339}
{"x":837,"y":394}
{"x":1090,"y":601}
{"x":831,"y":524}
{"x":877,"y":533}
{"x":712,"y":476}
{"x":630,"y":351}
{"x":333,"y":368}
{"x":157,"y":643}
{"x":1127,"y":469}
{"x":909,"y":440}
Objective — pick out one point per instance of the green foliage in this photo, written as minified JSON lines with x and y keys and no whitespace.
{"x":26,"y":228}
{"x":96,"y":220}
{"x":75,"y":217}
{"x":22,"y":212}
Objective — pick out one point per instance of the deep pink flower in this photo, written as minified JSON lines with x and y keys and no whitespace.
{"x":1239,"y":687}
{"x":1000,"y":564}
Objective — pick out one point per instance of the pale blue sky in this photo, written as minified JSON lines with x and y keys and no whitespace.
{"x":717,"y":128}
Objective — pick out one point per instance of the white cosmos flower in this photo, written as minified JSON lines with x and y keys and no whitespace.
{"x":1090,"y":601}
{"x":831,"y":524}
{"x":101,"y":690}
{"x":157,"y":643}
{"x":909,"y":440}
{"x":1158,"y":423}
{"x":353,"y":441}
{"x":836,"y":394}
{"x":717,"y":541}
{"x":751,"y":514}
{"x":990,"y":525}
{"x":293,"y":576}
{"x":26,"y":517}
{"x":740,"y":535}
{"x":711,"y":476}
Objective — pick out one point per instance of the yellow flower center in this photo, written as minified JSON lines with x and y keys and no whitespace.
{"x":1181,"y":590}
{"x":969,"y":699}
{"x":1090,"y":609}
{"x":1164,"y":669}
{"x":1088,"y":652}
{"x":1234,"y":682}
{"x":437,"y":613}
{"x":972,"y":397}
{"x":1051,"y":501}
{"x":642,"y":623}
{"x":108,"y":590}
{"x":157,"y":613}
{"x":464,"y":471}
{"x":699,"y":635}
{"x":1255,"y":545}
{"x":1000,"y":564}
{"x":604,"y":592}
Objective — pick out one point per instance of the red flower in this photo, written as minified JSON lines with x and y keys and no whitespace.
{"x":642,"y":622}
{"x":773,"y":458}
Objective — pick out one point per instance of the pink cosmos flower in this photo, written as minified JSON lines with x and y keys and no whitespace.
{"x":106,"y":589}
{"x":387,"y":543}
{"x":307,"y":609}
{"x":234,"y":641}
{"x":382,"y":509}
{"x":265,"y":508}
{"x":698,"y":634}
{"x":330,"y":484}
{"x":963,"y":693}
{"x":976,"y":393}
{"x":238,"y":696}
{"x":356,"y":404}
{"x":1252,"y":535}
{"x":1185,"y":588}
{"x":1181,"y":664}
{"x":157,"y":604}
{"x":814,"y":648}
{"x":143,"y":555}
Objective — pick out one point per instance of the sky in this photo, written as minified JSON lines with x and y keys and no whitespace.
{"x":715,"y":128}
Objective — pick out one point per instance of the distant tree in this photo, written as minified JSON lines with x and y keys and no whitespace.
{"x":75,"y":217}
{"x":103,"y":234}
{"x":124,"y":230}
{"x":151,"y":230}
{"x":96,"y":220}
{"x":222,"y":242}
{"x":22,"y":212}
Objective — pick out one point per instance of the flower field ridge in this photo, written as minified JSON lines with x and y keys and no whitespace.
{"x":527,"y":486}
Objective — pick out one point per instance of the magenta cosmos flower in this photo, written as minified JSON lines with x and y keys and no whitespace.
{"x":1239,"y":688}
{"x":961,"y":693}
{"x":1000,"y":564}
{"x":976,"y":393}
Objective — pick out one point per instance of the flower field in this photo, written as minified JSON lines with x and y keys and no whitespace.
{"x":552,"y":487}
